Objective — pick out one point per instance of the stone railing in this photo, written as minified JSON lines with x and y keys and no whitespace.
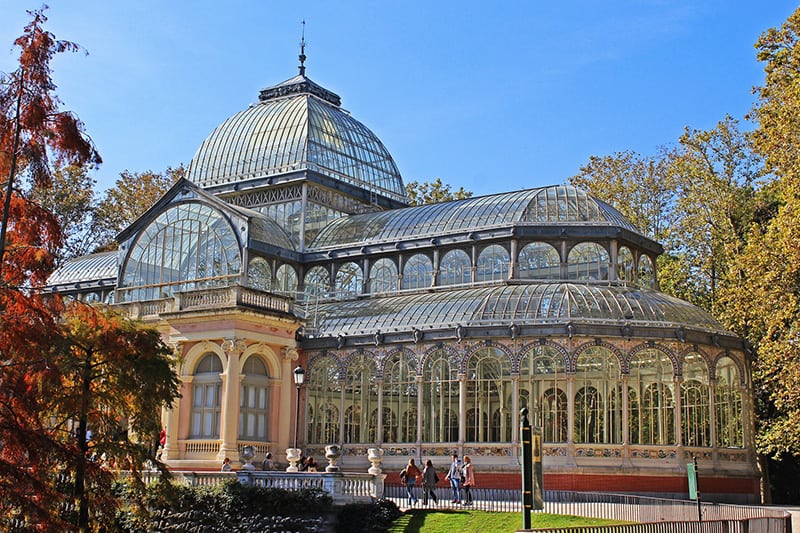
{"x":343,"y":487}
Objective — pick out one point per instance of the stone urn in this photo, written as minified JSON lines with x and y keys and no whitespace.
{"x":375,"y":456}
{"x":247,"y":454}
{"x":293,"y":456}
{"x":332,"y":453}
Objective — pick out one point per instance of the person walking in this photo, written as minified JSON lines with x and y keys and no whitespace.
{"x":454,"y":477}
{"x":409,"y":476}
{"x":467,"y":479}
{"x":429,"y":481}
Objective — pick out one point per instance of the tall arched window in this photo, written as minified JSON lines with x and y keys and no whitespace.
{"x":588,"y":261}
{"x":418,"y":272}
{"x":317,"y":282}
{"x":188,"y":246}
{"x":488,"y":397}
{"x":439,"y":399}
{"x":286,"y":280}
{"x":596,"y":375}
{"x":625,"y":264}
{"x":206,"y":398}
{"x":259,"y":274}
{"x":493,"y":264}
{"x":646,"y":273}
{"x":254,"y":400}
{"x":324,"y":396}
{"x":543,"y":386}
{"x":728,"y":405}
{"x":651,"y":375}
{"x":539,"y":260}
{"x":695,"y":408}
{"x":454,"y":268}
{"x":349,"y":280}
{"x":400,"y":395}
{"x":383,"y":276}
{"x":361,"y":398}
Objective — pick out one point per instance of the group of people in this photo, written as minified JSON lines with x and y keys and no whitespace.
{"x":460,"y":475}
{"x":267,"y":464}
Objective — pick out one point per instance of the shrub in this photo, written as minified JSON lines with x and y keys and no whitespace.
{"x":367,"y":517}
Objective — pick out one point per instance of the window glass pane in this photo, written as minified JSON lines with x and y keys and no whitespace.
{"x":598,"y":406}
{"x":418,"y":272}
{"x":539,"y":260}
{"x":543,"y":385}
{"x":383,"y":276}
{"x":455,"y":268}
{"x":488,"y":397}
{"x":587,"y":261}
{"x":493,"y":264}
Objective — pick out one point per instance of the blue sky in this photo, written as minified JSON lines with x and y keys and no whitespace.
{"x":491,"y":96}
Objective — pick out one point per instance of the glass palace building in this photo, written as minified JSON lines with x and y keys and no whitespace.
{"x":423,"y":330}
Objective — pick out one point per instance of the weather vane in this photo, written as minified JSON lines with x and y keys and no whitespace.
{"x":302,"y":55}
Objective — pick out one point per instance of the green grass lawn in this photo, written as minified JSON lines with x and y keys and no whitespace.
{"x":452,"y":521}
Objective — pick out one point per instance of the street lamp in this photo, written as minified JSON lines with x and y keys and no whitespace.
{"x":299,"y":377}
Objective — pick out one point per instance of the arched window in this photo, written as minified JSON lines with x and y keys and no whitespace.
{"x":324,"y":396}
{"x":188,"y":246}
{"x":596,"y":376}
{"x":317,"y":282}
{"x":488,"y":391}
{"x":361,"y":398}
{"x":454,"y":268}
{"x":254,"y":400}
{"x":625,"y":264}
{"x":493,"y":264}
{"x":647,"y":277}
{"x":286,"y":280}
{"x":539,"y":260}
{"x":349,"y":280}
{"x":259,"y":274}
{"x":728,"y":405}
{"x":206,"y":398}
{"x":400,"y":395}
{"x":439,"y":399}
{"x":418,"y":272}
{"x":383,"y":276}
{"x":588,"y":261}
{"x":651,"y":375}
{"x":695,"y":408}
{"x":543,"y":385}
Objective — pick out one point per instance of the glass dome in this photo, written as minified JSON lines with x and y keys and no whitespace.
{"x":296,"y":125}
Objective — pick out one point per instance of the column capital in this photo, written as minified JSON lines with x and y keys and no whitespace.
{"x":233,"y":345}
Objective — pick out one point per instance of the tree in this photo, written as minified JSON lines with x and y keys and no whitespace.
{"x":33,"y":131}
{"x":433,"y":192}
{"x":133,"y":194}
{"x":71,"y":199}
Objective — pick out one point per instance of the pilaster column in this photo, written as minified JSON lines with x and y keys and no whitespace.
{"x":379,"y":429}
{"x":229,"y":410}
{"x":513,"y":268}
{"x":712,"y":412}
{"x":570,"y":409}
{"x":419,"y":412}
{"x":515,"y":409}
{"x":678,"y":410}
{"x":626,"y":416}
{"x":285,"y":434}
{"x":462,"y":409}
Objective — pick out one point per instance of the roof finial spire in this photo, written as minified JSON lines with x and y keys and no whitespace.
{"x":302,"y":56}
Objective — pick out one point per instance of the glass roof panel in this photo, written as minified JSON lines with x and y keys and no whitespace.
{"x":86,"y":268}
{"x":532,"y":303}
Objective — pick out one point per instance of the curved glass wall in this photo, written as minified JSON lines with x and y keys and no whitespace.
{"x":254,"y":400}
{"x":317,"y":281}
{"x":324,"y":391}
{"x":539,"y":260}
{"x":440,"y":399}
{"x":598,"y":404}
{"x":652,"y":409}
{"x":646,"y":273}
{"x":383,"y":276}
{"x":455,"y":268}
{"x":259,"y":274}
{"x":361,"y":399}
{"x":493,"y":264}
{"x":543,"y":390}
{"x":286,"y":280}
{"x":349,"y":280}
{"x":626,"y":268}
{"x":418,"y":272}
{"x":400,"y":399}
{"x":488,"y":397}
{"x":206,"y":398}
{"x":695,"y":398}
{"x":188,"y":246}
{"x":728,"y":404}
{"x":587,"y":261}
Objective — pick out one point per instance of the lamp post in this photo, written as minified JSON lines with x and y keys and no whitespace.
{"x":299,"y":377}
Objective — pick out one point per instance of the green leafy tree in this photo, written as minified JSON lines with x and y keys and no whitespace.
{"x":132,"y":195}
{"x":433,"y":192}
